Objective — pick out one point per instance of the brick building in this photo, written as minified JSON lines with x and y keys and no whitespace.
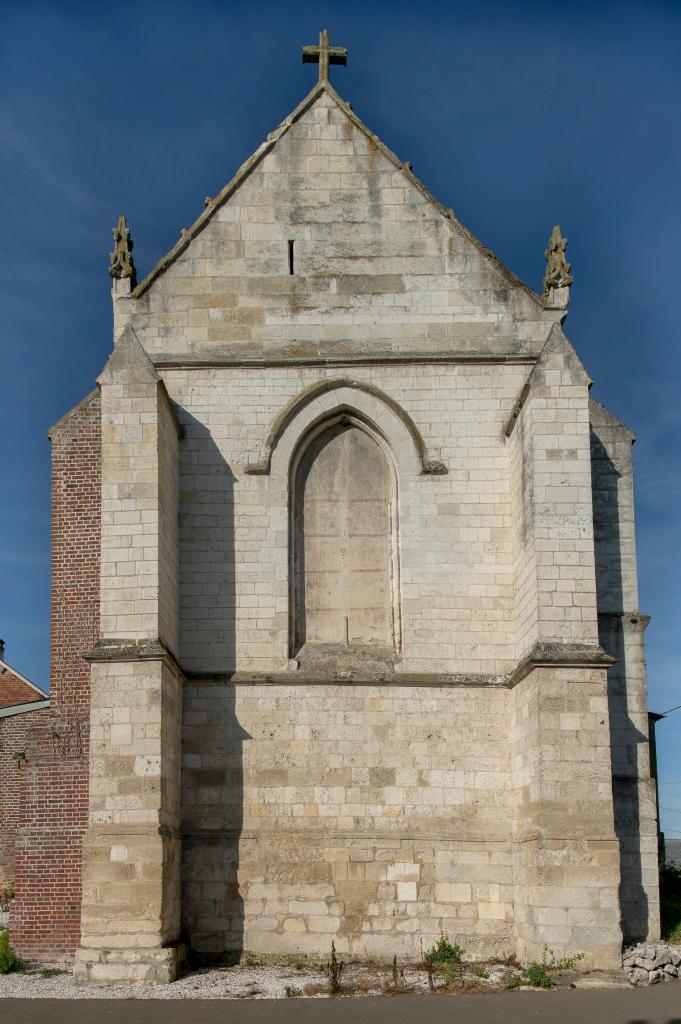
{"x":345,"y":586}
{"x":53,"y":799}
{"x":22,"y":704}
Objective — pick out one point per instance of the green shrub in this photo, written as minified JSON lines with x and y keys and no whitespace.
{"x":9,"y":960}
{"x":291,"y":992}
{"x":443,"y":953}
{"x":481,"y":973}
{"x":537,"y":975}
{"x":50,"y":972}
{"x":453,"y":974}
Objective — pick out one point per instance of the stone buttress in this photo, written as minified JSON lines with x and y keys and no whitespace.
{"x":131,"y":892}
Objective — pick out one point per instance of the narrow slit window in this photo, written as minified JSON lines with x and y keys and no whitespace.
{"x":290,"y":256}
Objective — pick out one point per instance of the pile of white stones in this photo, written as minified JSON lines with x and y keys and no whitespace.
{"x":648,"y":964}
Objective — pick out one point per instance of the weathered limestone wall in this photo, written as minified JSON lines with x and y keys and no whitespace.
{"x":139,"y":500}
{"x":550,"y":455}
{"x":621,"y":629}
{"x":525,"y":590}
{"x":566,"y":862}
{"x":344,"y":547}
{"x":379,"y":816}
{"x":566,"y":858}
{"x":131,"y":889}
{"x":377,"y":266}
{"x":167,"y":429}
{"x":455,"y":536}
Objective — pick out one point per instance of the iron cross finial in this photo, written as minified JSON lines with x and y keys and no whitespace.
{"x":324,"y":55}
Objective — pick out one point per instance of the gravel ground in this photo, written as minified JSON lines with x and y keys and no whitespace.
{"x":256,"y":982}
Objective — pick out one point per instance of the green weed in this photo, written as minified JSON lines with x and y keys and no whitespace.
{"x":9,"y":960}
{"x":537,"y":975}
{"x":443,"y":953}
{"x":552,"y":963}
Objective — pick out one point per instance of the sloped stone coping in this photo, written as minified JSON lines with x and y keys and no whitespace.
{"x":652,"y":963}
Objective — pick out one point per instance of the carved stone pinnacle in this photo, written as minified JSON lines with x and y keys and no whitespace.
{"x":122,"y":263}
{"x":557,"y":267}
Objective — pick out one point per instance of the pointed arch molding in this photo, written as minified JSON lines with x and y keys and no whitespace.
{"x":428,"y":466}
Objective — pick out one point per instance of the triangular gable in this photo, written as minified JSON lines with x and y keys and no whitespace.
{"x":247,"y":168}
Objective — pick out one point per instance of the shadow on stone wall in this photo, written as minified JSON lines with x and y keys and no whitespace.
{"x":625,"y":736}
{"x":212,"y":754}
{"x":212,"y":905}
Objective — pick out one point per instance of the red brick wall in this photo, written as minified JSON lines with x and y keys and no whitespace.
{"x":45,"y":915}
{"x":15,"y":690}
{"x":13,"y":737}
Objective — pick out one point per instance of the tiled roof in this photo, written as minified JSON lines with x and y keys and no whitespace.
{"x":14,"y":689}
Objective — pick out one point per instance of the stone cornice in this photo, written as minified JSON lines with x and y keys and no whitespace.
{"x":147,"y":649}
{"x":121,"y":830}
{"x":279,"y":833}
{"x":546,"y":654}
{"x":168,"y":361}
{"x":542,"y":655}
{"x":309,"y":678}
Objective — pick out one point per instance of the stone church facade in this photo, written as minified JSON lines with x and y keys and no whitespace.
{"x":365,"y":662}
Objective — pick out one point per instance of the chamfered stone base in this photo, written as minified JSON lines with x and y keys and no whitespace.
{"x":129,"y":966}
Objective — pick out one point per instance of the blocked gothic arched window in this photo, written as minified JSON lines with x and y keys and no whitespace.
{"x":344,"y":557}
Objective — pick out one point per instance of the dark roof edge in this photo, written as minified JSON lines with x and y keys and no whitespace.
{"x":67,"y":415}
{"x":20,"y":709}
{"x":8,"y":667}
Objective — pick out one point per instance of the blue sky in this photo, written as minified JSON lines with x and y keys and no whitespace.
{"x":517,"y":115}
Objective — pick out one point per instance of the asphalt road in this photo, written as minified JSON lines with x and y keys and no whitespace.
{"x":658,"y":1005}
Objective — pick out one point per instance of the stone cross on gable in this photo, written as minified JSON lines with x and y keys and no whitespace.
{"x":324,"y":55}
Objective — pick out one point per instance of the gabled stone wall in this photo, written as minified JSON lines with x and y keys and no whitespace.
{"x":461,"y":785}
